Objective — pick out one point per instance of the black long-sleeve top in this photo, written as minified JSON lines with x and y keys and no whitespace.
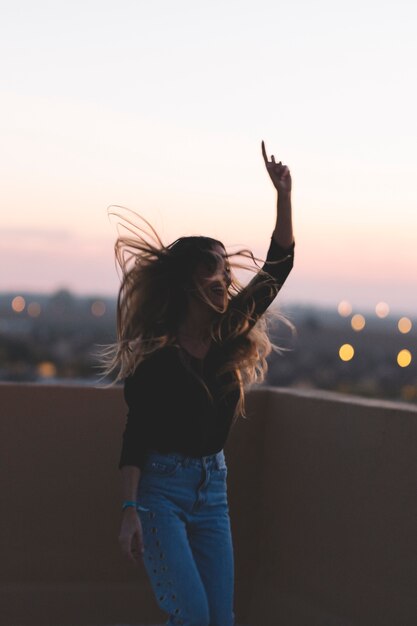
{"x":169,"y":407}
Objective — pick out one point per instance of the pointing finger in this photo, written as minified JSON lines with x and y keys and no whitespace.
{"x":264,"y":152}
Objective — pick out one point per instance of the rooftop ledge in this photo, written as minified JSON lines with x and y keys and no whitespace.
{"x":339,"y":397}
{"x":323,"y":501}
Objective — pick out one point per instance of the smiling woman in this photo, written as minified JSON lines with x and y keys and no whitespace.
{"x":186,"y":294}
{"x":215,"y":277}
{"x":190,"y":339}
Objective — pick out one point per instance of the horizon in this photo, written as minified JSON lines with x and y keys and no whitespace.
{"x":350,"y":308}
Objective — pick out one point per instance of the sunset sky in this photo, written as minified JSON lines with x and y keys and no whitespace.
{"x":161,"y":106}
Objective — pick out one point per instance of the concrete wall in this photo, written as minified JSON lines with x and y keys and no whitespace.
{"x":338,"y":540}
{"x":322,"y":492}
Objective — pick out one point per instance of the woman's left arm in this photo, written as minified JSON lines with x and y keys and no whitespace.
{"x":281,"y":179}
{"x":256,"y":297}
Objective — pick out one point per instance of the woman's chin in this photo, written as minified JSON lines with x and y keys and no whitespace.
{"x":219,"y":303}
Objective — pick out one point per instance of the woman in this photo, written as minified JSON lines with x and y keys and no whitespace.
{"x":189,"y":339}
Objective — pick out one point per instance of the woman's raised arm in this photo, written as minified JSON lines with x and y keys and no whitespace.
{"x":265,"y":285}
{"x":281,"y":179}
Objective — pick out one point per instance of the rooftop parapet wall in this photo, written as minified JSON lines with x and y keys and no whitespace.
{"x":337,"y":541}
{"x":323,"y":501}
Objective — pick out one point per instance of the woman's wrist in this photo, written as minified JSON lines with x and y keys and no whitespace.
{"x":129,"y":504}
{"x":284,"y":202}
{"x":283,"y":195}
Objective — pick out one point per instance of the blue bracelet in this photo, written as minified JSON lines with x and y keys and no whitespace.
{"x":127,"y":503}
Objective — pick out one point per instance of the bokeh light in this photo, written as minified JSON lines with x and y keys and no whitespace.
{"x":404,"y":358}
{"x":404,"y":325}
{"x":98,"y":308}
{"x":46,"y":369}
{"x":34,"y":309}
{"x":18,"y":304}
{"x":346,"y":352}
{"x":409,"y":392}
{"x":344,"y":308}
{"x":382,"y":309}
{"x":358,"y":322}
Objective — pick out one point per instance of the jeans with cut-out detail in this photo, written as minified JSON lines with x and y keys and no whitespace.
{"x":188,"y":551}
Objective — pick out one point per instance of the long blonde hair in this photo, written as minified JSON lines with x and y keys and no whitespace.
{"x":152,"y":300}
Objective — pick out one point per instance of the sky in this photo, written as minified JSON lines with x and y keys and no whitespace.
{"x":161,"y":107}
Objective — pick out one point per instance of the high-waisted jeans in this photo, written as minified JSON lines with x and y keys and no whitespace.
{"x":188,"y":551}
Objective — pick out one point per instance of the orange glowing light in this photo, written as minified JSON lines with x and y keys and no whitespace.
{"x":18,"y":304}
{"x":46,"y":369}
{"x":98,"y":308}
{"x":34,"y":309}
{"x":358,"y":322}
{"x":344,"y":308}
{"x":346,"y":352}
{"x":404,"y":325}
{"x":404,"y":358}
{"x":382,"y":309}
{"x":409,"y":392}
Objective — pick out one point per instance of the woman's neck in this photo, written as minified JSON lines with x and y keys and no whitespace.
{"x":197,"y":323}
{"x":194,"y":332}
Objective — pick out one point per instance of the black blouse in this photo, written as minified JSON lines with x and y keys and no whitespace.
{"x":169,"y":407}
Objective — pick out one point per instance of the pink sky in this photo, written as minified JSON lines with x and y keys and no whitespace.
{"x":49,"y":260}
{"x":162,"y":107}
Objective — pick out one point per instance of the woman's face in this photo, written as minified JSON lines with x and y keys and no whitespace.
{"x":215,"y":280}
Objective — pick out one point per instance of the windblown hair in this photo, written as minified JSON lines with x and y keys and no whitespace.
{"x":152,"y":301}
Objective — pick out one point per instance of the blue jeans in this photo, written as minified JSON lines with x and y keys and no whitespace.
{"x":188,"y":551}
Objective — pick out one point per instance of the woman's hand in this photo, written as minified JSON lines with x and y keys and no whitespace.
{"x":279,"y":173}
{"x":131,"y":537}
